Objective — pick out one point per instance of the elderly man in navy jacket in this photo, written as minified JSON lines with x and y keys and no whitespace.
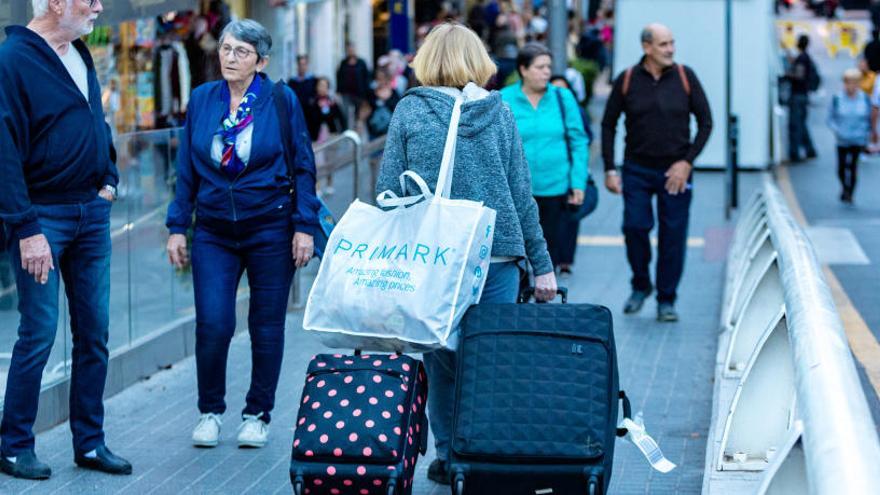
{"x":59,"y":182}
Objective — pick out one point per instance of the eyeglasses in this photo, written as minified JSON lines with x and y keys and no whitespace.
{"x":91,"y":3}
{"x":240,"y":52}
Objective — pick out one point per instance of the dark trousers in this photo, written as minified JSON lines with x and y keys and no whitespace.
{"x":640,"y":185}
{"x":798,"y":133}
{"x":568,"y":237}
{"x":219,"y":258}
{"x":553,"y":216}
{"x":847,"y":167}
{"x":79,"y":236}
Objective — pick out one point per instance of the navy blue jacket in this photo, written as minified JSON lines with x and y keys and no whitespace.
{"x":54,"y":145}
{"x":263,"y":185}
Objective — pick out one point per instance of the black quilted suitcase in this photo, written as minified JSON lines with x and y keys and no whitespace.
{"x":536,"y":400}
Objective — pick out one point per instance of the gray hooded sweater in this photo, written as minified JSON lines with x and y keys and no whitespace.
{"x":489,"y":164}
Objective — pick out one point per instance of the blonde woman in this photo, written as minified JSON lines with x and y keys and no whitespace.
{"x":489,"y":167}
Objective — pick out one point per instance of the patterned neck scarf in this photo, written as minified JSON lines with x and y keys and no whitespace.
{"x":232,"y":125}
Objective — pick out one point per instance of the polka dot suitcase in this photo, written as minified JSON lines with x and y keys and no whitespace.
{"x":361,"y":425}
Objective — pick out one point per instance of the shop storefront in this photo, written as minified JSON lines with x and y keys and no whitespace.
{"x":150,"y":54}
{"x":149,"y":59}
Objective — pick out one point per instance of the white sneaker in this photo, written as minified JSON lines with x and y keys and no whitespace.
{"x":207,"y":432}
{"x":253,"y":432}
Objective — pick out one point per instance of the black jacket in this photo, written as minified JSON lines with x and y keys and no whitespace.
{"x":54,"y":145}
{"x":657,"y":118}
{"x":353,"y":79}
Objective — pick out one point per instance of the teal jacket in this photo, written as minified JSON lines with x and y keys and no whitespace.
{"x":543,"y":137}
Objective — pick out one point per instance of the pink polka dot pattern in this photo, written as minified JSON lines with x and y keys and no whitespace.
{"x":359,"y":424}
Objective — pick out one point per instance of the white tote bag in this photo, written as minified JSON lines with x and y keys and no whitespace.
{"x":401,"y":280}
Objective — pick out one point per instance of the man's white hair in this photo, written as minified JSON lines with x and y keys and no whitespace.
{"x":40,"y":7}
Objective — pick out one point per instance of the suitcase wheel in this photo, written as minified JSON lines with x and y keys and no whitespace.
{"x":458,"y":485}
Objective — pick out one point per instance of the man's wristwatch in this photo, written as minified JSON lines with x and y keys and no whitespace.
{"x":611,"y":173}
{"x":110,"y":189}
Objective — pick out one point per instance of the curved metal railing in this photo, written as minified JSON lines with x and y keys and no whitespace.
{"x":798,"y":419}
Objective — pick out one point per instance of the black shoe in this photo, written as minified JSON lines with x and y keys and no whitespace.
{"x":438,"y":473}
{"x":105,"y":461}
{"x":666,"y":312}
{"x":811,"y":155}
{"x":26,"y":466}
{"x":636,"y":301}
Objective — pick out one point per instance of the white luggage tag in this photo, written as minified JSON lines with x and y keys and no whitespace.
{"x":648,"y":446}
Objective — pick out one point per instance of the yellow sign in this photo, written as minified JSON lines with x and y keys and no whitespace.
{"x":837,"y":36}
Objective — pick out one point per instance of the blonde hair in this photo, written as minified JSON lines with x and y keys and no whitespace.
{"x":453,"y":55}
{"x":852,"y":75}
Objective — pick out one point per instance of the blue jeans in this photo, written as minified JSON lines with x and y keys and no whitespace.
{"x":640,"y":185}
{"x":219,"y":258}
{"x":79,"y":236}
{"x":798,"y":130}
{"x":502,"y":285}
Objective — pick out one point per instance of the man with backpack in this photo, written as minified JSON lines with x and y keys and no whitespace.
{"x":658,"y":97}
{"x":803,"y":78}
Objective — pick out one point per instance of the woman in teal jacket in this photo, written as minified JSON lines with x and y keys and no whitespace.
{"x":559,"y":171}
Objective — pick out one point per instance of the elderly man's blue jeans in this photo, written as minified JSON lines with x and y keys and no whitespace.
{"x":79,"y":236}
{"x":219,"y":258}
{"x":640,"y":185}
{"x":502,"y":285}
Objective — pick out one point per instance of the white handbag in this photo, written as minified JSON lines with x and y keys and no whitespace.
{"x":401,"y":280}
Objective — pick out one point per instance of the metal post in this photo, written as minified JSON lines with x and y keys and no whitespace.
{"x":730,"y":176}
{"x":558,"y":35}
{"x":734,"y":160}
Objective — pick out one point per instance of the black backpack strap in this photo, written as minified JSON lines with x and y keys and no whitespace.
{"x":280,"y":100}
{"x":564,"y":127}
{"x":627,"y":411}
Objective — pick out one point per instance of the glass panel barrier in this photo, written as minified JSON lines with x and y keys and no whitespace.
{"x":146,"y":292}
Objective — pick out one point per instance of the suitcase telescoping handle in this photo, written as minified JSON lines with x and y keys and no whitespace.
{"x":627,"y":412}
{"x":529,"y":292}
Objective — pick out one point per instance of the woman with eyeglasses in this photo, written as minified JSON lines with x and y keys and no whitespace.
{"x":231,"y":170}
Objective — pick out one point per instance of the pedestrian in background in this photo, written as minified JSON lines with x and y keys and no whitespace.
{"x":571,"y":225}
{"x":231,"y":167}
{"x":803,"y":77}
{"x":304,"y":82}
{"x":849,"y":118}
{"x":352,"y":82}
{"x":324,"y":112}
{"x":489,"y":167}
{"x":867,"y":77}
{"x":658,"y":97}
{"x":546,"y":116}
{"x":59,"y":184}
{"x":872,"y":51}
{"x":380,"y":104}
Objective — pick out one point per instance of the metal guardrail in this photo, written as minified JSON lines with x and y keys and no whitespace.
{"x":799,"y":413}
